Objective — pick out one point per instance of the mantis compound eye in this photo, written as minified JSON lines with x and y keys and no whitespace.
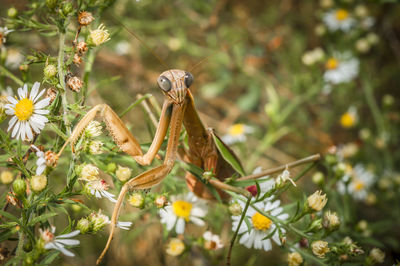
{"x":164,"y":83}
{"x":188,"y":79}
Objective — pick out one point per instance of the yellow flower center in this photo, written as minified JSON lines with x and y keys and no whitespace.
{"x":236,"y":130}
{"x":347,"y":120}
{"x":175,"y":247}
{"x":358,"y":185}
{"x":182,"y":209}
{"x":24,"y":109}
{"x":260,"y":222}
{"x":341,"y":14}
{"x":332,"y":63}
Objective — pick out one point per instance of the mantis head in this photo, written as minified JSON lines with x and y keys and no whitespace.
{"x":174,"y":83}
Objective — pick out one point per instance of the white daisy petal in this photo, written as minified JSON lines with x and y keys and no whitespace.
{"x":16,"y":128}
{"x":63,"y":250}
{"x":28,"y":131}
{"x":72,"y":234}
{"x":39,"y":95}
{"x":10,"y":112}
{"x":12,"y":100}
{"x":12,"y":122}
{"x":180,"y":226}
{"x":34,"y":90}
{"x":43,"y":103}
{"x":20,"y":93}
{"x":69,"y":242}
{"x":42,"y":112}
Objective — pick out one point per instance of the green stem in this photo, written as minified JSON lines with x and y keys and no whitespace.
{"x":228,"y":257}
{"x":7,"y":73}
{"x":88,"y":70}
{"x":148,"y":95}
{"x":61,"y":75}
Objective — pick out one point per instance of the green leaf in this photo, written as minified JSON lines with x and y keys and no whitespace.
{"x":41,"y":218}
{"x":228,"y":155}
{"x":9,"y":216}
{"x":248,"y":223}
{"x":50,"y":258}
{"x":6,"y":234}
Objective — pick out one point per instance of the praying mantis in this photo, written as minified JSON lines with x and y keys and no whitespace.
{"x":178,"y":109}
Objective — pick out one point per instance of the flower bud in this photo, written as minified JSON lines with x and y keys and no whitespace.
{"x":317,"y":201}
{"x":94,"y":129}
{"x":362,"y":45}
{"x":99,"y":36}
{"x":161,"y":201}
{"x":24,"y":67}
{"x":320,"y":248}
{"x":136,"y":200}
{"x":38,"y":183}
{"x":89,"y":172}
{"x":94,"y":147}
{"x":175,"y":247}
{"x":98,"y":221}
{"x":294,"y":259}
{"x":235,"y":209}
{"x":318,"y":178}
{"x":19,"y":186}
{"x":83,"y":225}
{"x":51,"y":3}
{"x":388,"y":100}
{"x":12,"y":12}
{"x":6,"y":177}
{"x":111,"y":167}
{"x":85,"y":18}
{"x":372,"y":38}
{"x":74,"y":84}
{"x":50,"y":71}
{"x":252,"y":189}
{"x":377,"y":255}
{"x":331,"y":221}
{"x":364,"y":134}
{"x":67,"y":8}
{"x":315,"y":225}
{"x":123,"y":173}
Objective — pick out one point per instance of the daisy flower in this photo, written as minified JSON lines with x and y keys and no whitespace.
{"x":341,"y":68}
{"x":41,"y":161}
{"x":349,"y":119}
{"x":14,"y":58}
{"x":59,"y":242}
{"x":261,"y":226}
{"x":212,"y":242}
{"x":360,"y":182}
{"x":181,"y":211}
{"x":28,"y":113}
{"x":339,"y":19}
{"x":98,"y":188}
{"x":4,"y":31}
{"x":237,"y":133}
{"x":175,"y":247}
{"x":99,"y":220}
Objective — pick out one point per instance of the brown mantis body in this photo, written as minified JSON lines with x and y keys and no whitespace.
{"x":178,"y":109}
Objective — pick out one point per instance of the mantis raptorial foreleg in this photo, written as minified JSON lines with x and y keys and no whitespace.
{"x":121,"y":135}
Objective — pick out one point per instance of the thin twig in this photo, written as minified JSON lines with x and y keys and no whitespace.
{"x":308,"y":159}
{"x":228,"y":257}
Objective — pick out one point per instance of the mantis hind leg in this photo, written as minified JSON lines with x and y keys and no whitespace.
{"x":145,"y":180}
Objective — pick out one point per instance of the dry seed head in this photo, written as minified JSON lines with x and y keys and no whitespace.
{"x":85,"y":18}
{"x":81,"y":47}
{"x":161,"y":201}
{"x":11,"y":198}
{"x":77,"y":59}
{"x":51,"y":158}
{"x":51,"y":93}
{"x":320,"y":248}
{"x":75,"y":84}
